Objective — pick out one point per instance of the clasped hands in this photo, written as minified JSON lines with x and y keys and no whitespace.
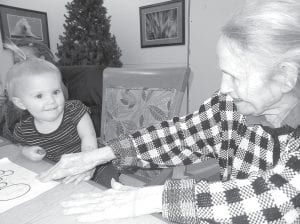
{"x":75,"y":167}
{"x":77,"y":163}
{"x":37,"y":153}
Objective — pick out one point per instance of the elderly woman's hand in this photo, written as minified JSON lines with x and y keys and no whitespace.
{"x":118,"y":202}
{"x":77,"y":163}
{"x":77,"y":178}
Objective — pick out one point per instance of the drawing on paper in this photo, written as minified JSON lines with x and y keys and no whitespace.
{"x":11,"y":191}
{"x":19,"y":185}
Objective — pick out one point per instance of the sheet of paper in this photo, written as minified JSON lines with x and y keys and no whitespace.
{"x":18,"y":185}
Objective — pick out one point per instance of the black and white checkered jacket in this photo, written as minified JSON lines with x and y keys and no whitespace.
{"x":252,"y":188}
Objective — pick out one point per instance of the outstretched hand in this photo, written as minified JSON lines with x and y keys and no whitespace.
{"x":77,"y":178}
{"x":77,"y":163}
{"x":118,"y":202}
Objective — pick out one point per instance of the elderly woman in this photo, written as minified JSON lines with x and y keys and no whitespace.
{"x":251,"y":126}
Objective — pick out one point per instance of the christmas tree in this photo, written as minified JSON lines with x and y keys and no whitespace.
{"x":87,"y":39}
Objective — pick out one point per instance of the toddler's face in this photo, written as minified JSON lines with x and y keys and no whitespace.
{"x":43,"y":97}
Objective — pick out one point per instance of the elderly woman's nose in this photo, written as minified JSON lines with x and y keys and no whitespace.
{"x":226,"y":84}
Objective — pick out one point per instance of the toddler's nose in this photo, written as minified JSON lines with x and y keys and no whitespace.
{"x":51,"y":99}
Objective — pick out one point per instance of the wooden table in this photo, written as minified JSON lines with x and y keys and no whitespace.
{"x":45,"y":208}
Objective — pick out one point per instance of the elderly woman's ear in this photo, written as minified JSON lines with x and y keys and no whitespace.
{"x":287,"y":76}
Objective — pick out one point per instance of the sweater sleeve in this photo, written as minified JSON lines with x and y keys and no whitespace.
{"x":272,"y":196}
{"x":180,"y":141}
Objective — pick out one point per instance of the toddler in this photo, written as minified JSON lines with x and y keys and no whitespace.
{"x":53,"y":126}
{"x":22,"y":49}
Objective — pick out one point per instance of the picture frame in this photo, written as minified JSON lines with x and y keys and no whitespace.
{"x":17,"y":23}
{"x":162,"y":24}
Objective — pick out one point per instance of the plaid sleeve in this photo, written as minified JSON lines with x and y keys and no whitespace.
{"x":179,"y":141}
{"x":270,"y":197}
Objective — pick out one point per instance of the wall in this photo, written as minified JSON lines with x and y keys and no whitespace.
{"x":207,"y":16}
{"x":55,"y":12}
{"x":125,"y":24}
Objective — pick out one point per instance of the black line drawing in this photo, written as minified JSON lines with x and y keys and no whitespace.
{"x":13,"y":191}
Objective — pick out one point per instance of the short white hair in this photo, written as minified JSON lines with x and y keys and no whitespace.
{"x":268,"y":29}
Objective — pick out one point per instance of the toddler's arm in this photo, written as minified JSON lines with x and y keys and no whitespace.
{"x":87,"y":133}
{"x":88,"y":138}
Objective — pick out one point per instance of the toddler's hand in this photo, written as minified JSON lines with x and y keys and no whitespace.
{"x":34,"y":153}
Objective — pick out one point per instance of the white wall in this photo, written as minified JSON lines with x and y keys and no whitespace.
{"x":207,"y":19}
{"x":125,"y":24}
{"x":55,"y":12}
{"x":207,"y":16}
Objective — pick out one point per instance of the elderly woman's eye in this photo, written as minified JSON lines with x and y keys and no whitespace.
{"x":236,"y":81}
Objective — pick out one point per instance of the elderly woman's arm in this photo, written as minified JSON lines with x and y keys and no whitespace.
{"x":179,"y":141}
{"x":262,"y":198}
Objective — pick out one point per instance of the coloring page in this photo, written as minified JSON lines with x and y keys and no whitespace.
{"x":18,"y":185}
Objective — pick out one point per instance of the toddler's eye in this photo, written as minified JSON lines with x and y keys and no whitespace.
{"x":56,"y":92}
{"x":39,"y":96}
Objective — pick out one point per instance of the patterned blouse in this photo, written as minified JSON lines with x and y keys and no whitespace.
{"x":64,"y":139}
{"x":259,"y":166}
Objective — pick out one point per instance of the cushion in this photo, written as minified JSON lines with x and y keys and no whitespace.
{"x":130,"y":109}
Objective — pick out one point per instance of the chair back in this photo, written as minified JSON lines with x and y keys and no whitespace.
{"x":134,"y":98}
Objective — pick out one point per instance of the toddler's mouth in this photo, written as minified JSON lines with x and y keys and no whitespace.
{"x":51,"y":109}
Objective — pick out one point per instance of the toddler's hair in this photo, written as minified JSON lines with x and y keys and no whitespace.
{"x":29,"y":67}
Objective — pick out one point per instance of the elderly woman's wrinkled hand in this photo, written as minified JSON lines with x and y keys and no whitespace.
{"x":77,"y":178}
{"x":118,"y":202}
{"x":69,"y":165}
{"x":77,"y":163}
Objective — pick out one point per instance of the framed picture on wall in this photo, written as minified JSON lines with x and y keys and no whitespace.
{"x":162,"y":24}
{"x":18,"y":23}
